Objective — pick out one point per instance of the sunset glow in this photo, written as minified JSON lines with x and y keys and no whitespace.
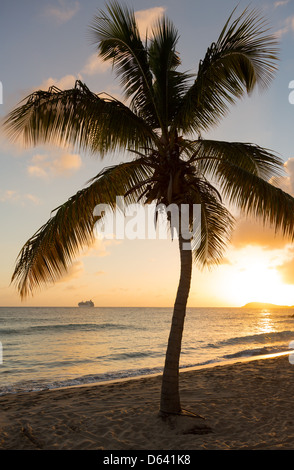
{"x":256,"y":278}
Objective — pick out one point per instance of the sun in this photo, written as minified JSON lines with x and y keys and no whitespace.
{"x":257,"y":283}
{"x":255,"y":278}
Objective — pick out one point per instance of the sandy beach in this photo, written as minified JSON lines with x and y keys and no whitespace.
{"x":246,"y":405}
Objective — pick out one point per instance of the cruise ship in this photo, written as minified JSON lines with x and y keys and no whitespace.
{"x":87,"y":303}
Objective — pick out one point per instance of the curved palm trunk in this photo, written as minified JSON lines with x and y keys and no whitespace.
{"x":170,"y":396}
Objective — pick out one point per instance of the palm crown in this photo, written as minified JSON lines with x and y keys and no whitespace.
{"x":162,"y":112}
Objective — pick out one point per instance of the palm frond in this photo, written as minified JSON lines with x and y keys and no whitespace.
{"x":210,"y":156}
{"x":217,"y":224}
{"x":77,"y":117}
{"x":47,"y":255}
{"x":169,"y":85}
{"x":258,"y":198}
{"x":118,"y":40}
{"x":245,"y":55}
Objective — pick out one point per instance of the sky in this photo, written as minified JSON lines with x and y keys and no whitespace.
{"x":48,"y":42}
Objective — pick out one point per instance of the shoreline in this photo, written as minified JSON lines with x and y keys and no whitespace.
{"x":139,"y":376}
{"x":247,"y":404}
{"x":182,"y":370}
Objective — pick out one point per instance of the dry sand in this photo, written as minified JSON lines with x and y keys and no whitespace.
{"x":247,"y":405}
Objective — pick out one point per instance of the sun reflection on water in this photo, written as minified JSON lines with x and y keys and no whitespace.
{"x":265,"y":324}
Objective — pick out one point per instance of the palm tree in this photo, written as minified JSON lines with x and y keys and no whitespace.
{"x":160,"y":122}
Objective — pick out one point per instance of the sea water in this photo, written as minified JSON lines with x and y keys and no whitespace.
{"x":52,"y":347}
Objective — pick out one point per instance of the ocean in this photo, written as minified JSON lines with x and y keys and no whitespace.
{"x":53,"y":347}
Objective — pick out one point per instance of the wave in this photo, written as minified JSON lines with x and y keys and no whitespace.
{"x":66,"y":327}
{"x":39,"y":385}
{"x":133,"y":355}
{"x":273,"y":336}
{"x":257,"y":352}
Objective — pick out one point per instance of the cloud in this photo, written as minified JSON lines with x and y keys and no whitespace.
{"x":44,"y":166}
{"x":281,"y":3}
{"x":32,"y":198}
{"x":66,"y":82}
{"x":288,"y":25}
{"x":64,"y":12}
{"x":252,"y":232}
{"x":99,"y":248}
{"x":74,"y":271}
{"x":286,"y":269}
{"x":13,"y":196}
{"x":95,"y":65}
{"x":9,"y":195}
{"x":286,"y":183}
{"x":287,"y":272}
{"x":289,"y":165}
{"x":146,"y":18}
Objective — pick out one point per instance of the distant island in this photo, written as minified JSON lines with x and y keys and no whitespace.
{"x":265,"y":305}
